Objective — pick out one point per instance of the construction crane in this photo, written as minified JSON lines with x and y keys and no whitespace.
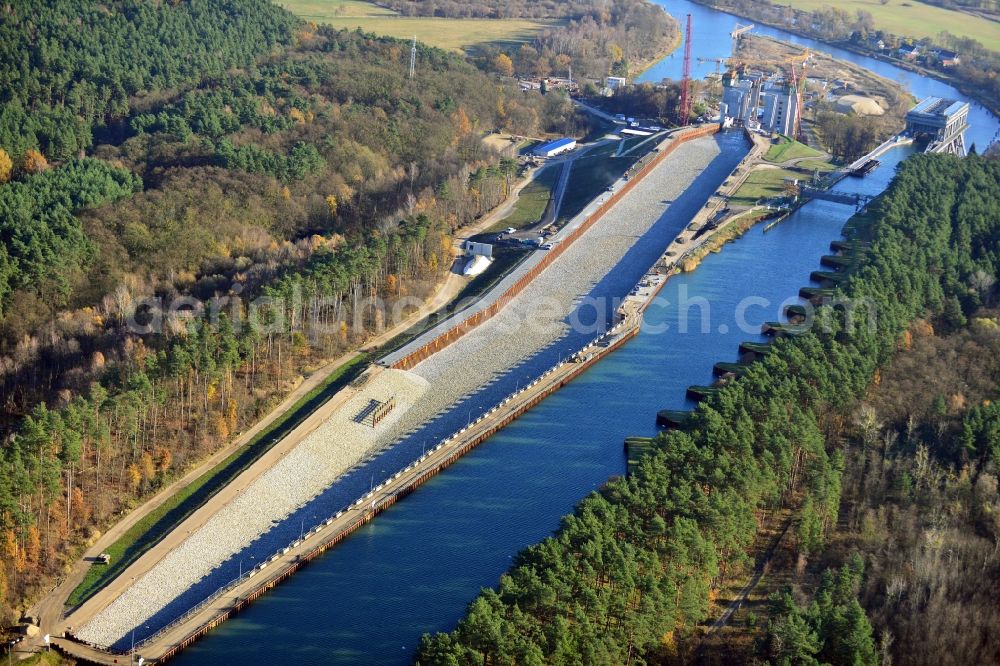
{"x":792,"y":62}
{"x":737,"y":32}
{"x":719,"y":62}
{"x":685,"y":109}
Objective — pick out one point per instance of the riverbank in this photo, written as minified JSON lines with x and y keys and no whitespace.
{"x":215,"y":610}
{"x":767,"y":53}
{"x":990,"y":103}
{"x":645,"y":65}
{"x":415,"y":569}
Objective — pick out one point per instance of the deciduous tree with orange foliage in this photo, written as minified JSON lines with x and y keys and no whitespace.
{"x":34,"y":162}
{"x":503,"y":65}
{"x":462,"y":123}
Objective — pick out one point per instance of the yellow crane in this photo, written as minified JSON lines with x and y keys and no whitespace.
{"x":737,"y":32}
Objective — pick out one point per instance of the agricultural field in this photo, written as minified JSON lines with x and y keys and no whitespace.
{"x":911,"y":18}
{"x":452,"y":34}
{"x":320,"y":10}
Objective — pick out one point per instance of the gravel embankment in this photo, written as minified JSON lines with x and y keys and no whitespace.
{"x":541,"y":313}
{"x":534,"y":320}
{"x":299,"y":476}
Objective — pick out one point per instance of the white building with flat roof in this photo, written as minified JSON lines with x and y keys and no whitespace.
{"x":557,"y":147}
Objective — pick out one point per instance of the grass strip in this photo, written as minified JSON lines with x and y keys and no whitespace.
{"x":532,"y":202}
{"x":789,"y":149}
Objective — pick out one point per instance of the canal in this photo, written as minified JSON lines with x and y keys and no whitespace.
{"x":416,"y":567}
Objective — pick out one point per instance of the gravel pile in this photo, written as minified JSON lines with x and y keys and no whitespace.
{"x":300,"y":475}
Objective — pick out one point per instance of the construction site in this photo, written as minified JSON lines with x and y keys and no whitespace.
{"x":405,"y":418}
{"x":572,"y":300}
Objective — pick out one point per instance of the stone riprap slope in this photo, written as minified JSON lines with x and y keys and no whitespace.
{"x":541,"y":314}
{"x":322,"y":456}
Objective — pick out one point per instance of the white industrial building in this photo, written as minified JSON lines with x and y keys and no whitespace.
{"x":615,"y":82}
{"x":759,"y":102}
{"x":557,"y":147}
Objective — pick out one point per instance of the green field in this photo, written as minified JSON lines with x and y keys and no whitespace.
{"x":787,"y":149}
{"x":770,"y":182}
{"x":453,"y":34}
{"x":532,"y":201}
{"x":763,"y":183}
{"x":158,"y":523}
{"x":316,"y":10}
{"x":911,"y":18}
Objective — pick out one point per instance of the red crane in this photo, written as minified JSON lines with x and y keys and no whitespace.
{"x":686,"y":77}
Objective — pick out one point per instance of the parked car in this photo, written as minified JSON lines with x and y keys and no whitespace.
{"x":547,"y":246}
{"x":509,"y":230}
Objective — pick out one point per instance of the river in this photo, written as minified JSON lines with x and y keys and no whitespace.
{"x":417,"y":566}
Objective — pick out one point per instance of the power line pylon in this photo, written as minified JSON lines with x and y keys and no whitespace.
{"x":413,"y":58}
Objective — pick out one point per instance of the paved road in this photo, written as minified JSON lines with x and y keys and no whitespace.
{"x":596,"y":112}
{"x":552,"y":210}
